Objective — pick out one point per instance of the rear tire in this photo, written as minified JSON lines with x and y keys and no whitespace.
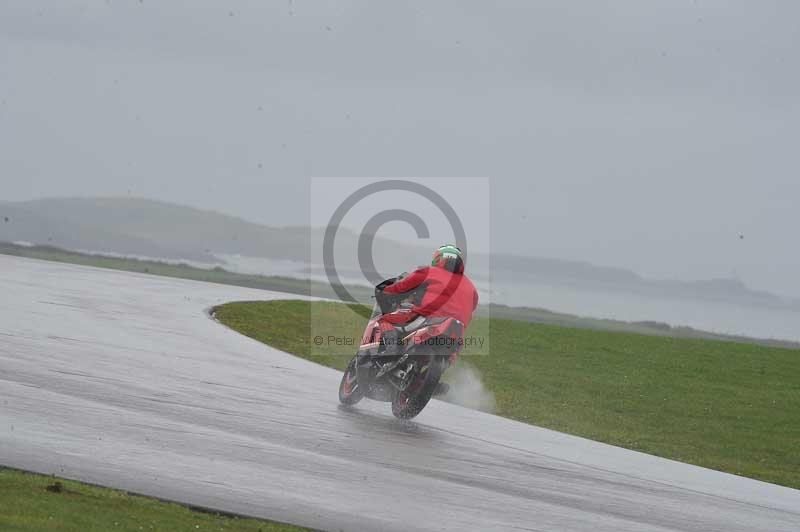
{"x":407,"y":406}
{"x":349,"y":391}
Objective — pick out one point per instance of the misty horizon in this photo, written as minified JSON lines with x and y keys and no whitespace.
{"x":420,"y":246}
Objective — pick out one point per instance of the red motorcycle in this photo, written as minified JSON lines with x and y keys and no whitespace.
{"x":401,"y":364}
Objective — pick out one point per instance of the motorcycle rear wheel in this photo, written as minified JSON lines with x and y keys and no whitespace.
{"x":349,"y":391}
{"x":408,"y":405}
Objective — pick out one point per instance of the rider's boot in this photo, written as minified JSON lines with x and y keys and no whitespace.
{"x":390,"y":343}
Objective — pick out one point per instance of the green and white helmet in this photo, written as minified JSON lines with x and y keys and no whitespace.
{"x":450,"y":258}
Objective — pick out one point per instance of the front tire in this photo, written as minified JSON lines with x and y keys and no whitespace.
{"x":408,"y":405}
{"x":349,"y":391}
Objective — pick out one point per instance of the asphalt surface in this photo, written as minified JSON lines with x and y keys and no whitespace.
{"x":123,"y":380}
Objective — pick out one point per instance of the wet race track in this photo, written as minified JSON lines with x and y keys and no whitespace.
{"x":123,"y":380}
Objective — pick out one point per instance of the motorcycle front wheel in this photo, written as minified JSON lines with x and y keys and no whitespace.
{"x":410,"y":402}
{"x":349,"y":391}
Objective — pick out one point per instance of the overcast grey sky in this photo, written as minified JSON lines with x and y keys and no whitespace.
{"x":646,"y":135}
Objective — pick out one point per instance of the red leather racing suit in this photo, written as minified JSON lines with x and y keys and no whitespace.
{"x":446,"y":294}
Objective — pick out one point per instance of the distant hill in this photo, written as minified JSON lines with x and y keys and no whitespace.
{"x":144,"y":227}
{"x":150,"y":228}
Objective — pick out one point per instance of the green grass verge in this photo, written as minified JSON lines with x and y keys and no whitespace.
{"x":31,"y":502}
{"x":723,"y":405}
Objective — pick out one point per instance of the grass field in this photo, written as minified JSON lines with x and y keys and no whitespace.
{"x":723,"y":405}
{"x":31,"y":502}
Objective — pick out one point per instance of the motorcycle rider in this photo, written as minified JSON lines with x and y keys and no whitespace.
{"x":442,"y":289}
